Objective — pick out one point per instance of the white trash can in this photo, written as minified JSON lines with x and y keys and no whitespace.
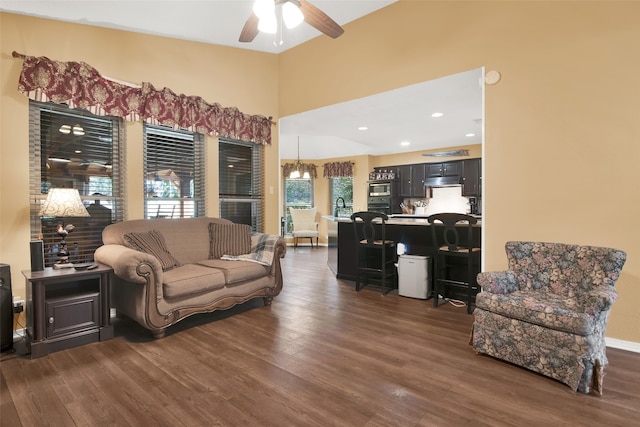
{"x":414,"y":276}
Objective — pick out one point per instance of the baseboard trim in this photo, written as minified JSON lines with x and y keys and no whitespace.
{"x":623,"y":345}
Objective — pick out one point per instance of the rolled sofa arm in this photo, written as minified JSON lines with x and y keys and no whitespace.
{"x":127,"y":263}
{"x":498,"y":282}
{"x":599,"y":299}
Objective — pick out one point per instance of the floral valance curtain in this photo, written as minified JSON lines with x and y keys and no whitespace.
{"x":81,"y":86}
{"x":338,"y":169}
{"x":287,"y":168}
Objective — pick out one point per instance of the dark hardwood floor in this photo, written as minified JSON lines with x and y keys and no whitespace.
{"x":321,"y":355}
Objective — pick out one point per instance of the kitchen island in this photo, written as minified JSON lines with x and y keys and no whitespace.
{"x":413,"y":231}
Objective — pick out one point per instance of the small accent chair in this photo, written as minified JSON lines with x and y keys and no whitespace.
{"x":548,"y":312}
{"x":452,"y":235}
{"x":375,"y":255}
{"x":304,"y":225}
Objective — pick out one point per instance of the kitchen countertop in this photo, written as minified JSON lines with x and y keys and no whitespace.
{"x":398,"y":219}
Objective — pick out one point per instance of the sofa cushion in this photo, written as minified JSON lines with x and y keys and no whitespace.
{"x":237,"y":271}
{"x":152,"y":242}
{"x":229,"y":239}
{"x":190,"y":280}
{"x":539,"y":308}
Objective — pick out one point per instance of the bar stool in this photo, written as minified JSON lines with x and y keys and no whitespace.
{"x":375,"y":255}
{"x":456,"y":260}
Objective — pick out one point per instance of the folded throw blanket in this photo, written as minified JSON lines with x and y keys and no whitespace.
{"x":262,"y":249}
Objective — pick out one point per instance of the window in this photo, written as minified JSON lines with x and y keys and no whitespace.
{"x":298,"y":193}
{"x":241,"y":182}
{"x":173,"y":173}
{"x":75,"y":149}
{"x":342,"y":187}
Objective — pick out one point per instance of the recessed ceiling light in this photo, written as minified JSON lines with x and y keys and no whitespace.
{"x":470,"y":134}
{"x":405,"y":143}
{"x":436,"y":115}
{"x":363,"y":128}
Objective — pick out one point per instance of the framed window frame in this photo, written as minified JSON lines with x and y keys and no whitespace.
{"x":173,"y":173}
{"x":241,"y":182}
{"x":99,"y":177}
{"x":304,"y":202}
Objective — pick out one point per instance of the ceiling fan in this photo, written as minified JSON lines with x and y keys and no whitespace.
{"x":263,"y":18}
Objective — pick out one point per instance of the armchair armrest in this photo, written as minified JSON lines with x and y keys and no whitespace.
{"x":598,"y":300}
{"x":498,"y":282}
{"x":126,"y":262}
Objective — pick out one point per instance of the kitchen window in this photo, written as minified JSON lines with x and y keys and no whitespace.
{"x":75,"y":149}
{"x":241,"y":182}
{"x":298,"y":194}
{"x":173,"y":173}
{"x":342,"y":190}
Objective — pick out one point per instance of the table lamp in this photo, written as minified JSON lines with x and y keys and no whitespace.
{"x":63,"y":203}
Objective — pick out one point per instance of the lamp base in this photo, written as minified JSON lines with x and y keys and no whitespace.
{"x":65,"y":265}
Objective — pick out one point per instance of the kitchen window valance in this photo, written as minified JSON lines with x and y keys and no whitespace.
{"x":79,"y":85}
{"x":287,"y":168}
{"x":338,"y":169}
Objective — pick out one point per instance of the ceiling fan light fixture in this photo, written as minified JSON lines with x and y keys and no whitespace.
{"x":263,"y":8}
{"x":268,"y":23}
{"x":292,"y":15}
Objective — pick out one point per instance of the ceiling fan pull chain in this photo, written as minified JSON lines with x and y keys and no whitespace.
{"x":279,"y":30}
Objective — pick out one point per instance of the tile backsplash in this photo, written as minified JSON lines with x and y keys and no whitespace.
{"x":445,"y":199}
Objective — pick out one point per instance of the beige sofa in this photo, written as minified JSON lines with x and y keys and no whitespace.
{"x":168,"y":269}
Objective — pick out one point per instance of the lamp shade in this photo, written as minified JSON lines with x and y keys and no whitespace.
{"x":63,"y":202}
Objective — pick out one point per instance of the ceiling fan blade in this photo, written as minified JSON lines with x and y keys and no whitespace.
{"x":319,"y":20}
{"x":250,"y":29}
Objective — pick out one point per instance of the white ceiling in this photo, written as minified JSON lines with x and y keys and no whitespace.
{"x":392,"y":117}
{"x":400,"y":115}
{"x":208,"y":21}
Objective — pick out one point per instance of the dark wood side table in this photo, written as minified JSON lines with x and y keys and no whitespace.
{"x":67,"y":308}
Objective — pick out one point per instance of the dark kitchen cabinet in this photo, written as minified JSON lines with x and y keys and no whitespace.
{"x":472,"y":178}
{"x":436,"y":170}
{"x":404,"y":173}
{"x":417,"y":180}
{"x":412,"y":180}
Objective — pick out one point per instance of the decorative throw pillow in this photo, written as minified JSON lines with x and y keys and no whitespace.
{"x":229,"y":239}
{"x":152,"y":242}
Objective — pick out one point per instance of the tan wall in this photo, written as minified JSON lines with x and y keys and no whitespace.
{"x":232,"y":77}
{"x":475,"y":151}
{"x":561,"y":128}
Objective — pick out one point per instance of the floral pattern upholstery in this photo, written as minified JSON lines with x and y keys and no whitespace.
{"x":548,"y":312}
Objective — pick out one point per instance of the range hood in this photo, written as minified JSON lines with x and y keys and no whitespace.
{"x":442,"y":181}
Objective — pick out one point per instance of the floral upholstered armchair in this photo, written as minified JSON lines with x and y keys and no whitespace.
{"x":548,"y":312}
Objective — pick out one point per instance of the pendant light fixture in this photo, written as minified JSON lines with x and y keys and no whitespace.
{"x":295,"y":174}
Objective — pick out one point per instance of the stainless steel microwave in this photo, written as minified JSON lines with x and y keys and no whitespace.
{"x":380,"y":188}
